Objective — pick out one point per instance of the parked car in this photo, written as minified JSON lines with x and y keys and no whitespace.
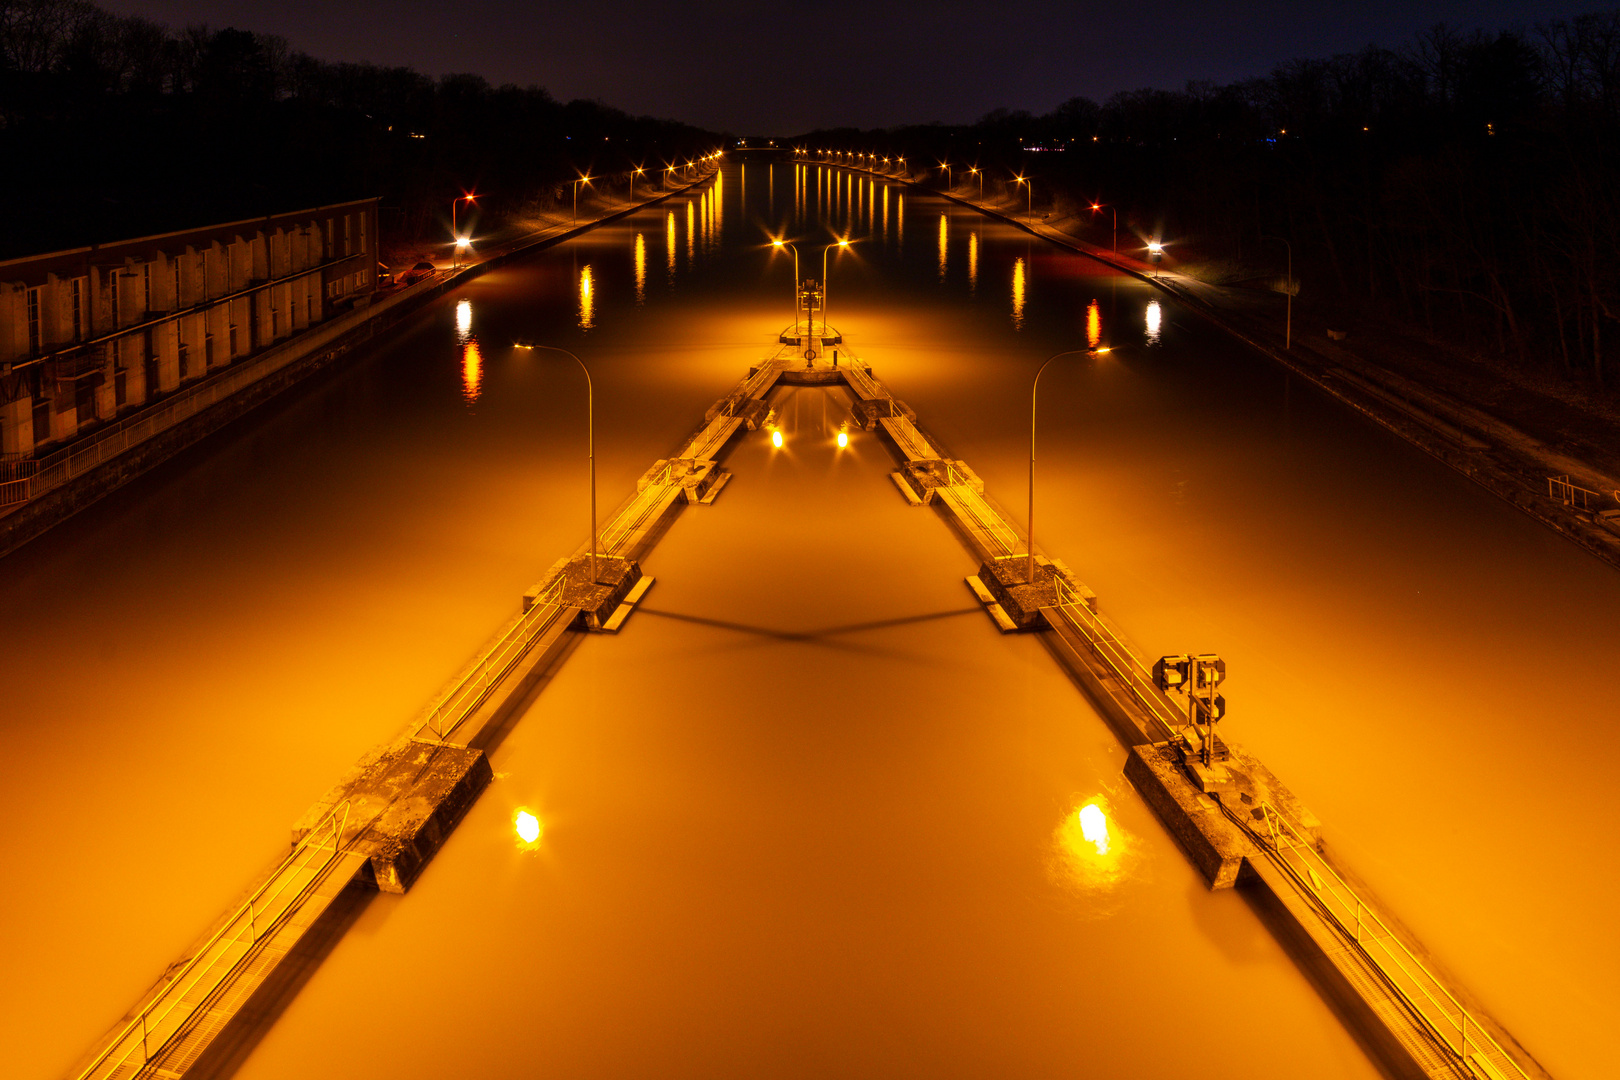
{"x":385,"y":276}
{"x":417,"y":273}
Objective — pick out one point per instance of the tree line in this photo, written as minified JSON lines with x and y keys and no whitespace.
{"x":1466,"y":183}
{"x":115,"y":126}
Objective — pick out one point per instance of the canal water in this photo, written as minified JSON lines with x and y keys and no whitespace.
{"x":808,"y":814}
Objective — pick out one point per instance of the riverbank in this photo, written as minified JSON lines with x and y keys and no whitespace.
{"x":86,"y":470}
{"x":1549,"y":455}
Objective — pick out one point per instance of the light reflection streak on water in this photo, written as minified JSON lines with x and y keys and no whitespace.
{"x":1018,"y":294}
{"x":669,"y":243}
{"x":973,"y":261}
{"x":472,"y":370}
{"x":900,"y":220}
{"x":885,"y":213}
{"x":1093,"y":325}
{"x":641,"y":268}
{"x":463,"y":319}
{"x":1093,"y":857}
{"x":1154,"y":316}
{"x":691,"y":234}
{"x":719,"y":206}
{"x":587,"y":299}
{"x":944,"y":237}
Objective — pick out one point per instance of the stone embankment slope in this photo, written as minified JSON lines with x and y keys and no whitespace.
{"x":1509,"y":438}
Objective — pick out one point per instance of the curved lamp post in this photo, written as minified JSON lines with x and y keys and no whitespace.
{"x":796,"y":284}
{"x":1096,"y":206}
{"x":590,"y":429}
{"x":824,"y":251}
{"x":581,"y":180}
{"x":1029,"y":520}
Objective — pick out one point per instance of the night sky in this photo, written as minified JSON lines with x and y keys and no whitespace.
{"x":768,"y":68}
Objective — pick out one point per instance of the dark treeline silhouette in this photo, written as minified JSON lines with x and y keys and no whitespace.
{"x":1466,"y":184}
{"x":113,"y":127}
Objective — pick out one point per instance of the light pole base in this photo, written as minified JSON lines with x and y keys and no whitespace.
{"x":597,"y":600}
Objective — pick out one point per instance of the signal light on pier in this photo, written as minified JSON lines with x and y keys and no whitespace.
{"x":1210,"y":708}
{"x":1208,"y":670}
{"x":1171,"y":672}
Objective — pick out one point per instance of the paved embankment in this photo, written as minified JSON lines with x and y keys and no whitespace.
{"x":1574,"y":492}
{"x":88,"y":469}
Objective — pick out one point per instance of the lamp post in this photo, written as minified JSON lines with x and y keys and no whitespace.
{"x":454,"y":231}
{"x":948,"y":175}
{"x":1288,"y":333}
{"x":590,"y":429}
{"x":581,"y":180}
{"x":824,"y":289}
{"x":633,"y":176}
{"x":1115,"y":211}
{"x":790,"y":247}
{"x":1029,"y":193}
{"x":1155,"y":249}
{"x":980,"y":175}
{"x":1029,"y":519}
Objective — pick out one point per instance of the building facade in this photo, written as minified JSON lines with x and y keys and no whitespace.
{"x":95,"y":333}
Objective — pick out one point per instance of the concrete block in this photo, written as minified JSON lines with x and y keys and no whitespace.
{"x":1215,"y":846}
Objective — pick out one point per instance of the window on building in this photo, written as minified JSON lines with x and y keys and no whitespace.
{"x":175,"y":263}
{"x":120,"y":389}
{"x":112,"y":284}
{"x":183,"y":355}
{"x":77,"y":296}
{"x":84,"y":402}
{"x":42,"y":421}
{"x":348,"y":235}
{"x":331,"y":231}
{"x":205,"y":263}
{"x":146,"y":287}
{"x":362,"y":218}
{"x":232,"y":353}
{"x":36,"y":331}
{"x":208,"y":351}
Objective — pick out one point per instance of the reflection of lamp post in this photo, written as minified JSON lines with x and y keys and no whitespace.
{"x":1029,"y":519}
{"x":779,"y":243}
{"x":1115,"y":211}
{"x":590,"y":429}
{"x":1288,"y":338}
{"x":581,"y":180}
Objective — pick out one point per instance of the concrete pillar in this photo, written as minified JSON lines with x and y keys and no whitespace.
{"x":17,"y":426}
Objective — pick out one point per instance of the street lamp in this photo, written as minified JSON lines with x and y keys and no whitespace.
{"x":581,"y":180}
{"x":1029,"y":519}
{"x":633,"y":176}
{"x":1115,"y":211}
{"x":1155,"y":249}
{"x":824,"y":290}
{"x":461,"y":241}
{"x":980,"y":175}
{"x":948,"y":181}
{"x":1288,"y":334}
{"x":781,"y":244}
{"x":590,"y":429}
{"x":1029,"y":190}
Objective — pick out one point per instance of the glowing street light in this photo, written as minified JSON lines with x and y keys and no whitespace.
{"x":796,"y":281}
{"x":1029,"y":194}
{"x":824,"y":290}
{"x":633,"y":176}
{"x":1155,"y":250}
{"x":1096,"y":206}
{"x":582,"y":180}
{"x":590,"y":434}
{"x":980,"y":175}
{"x":1029,"y":520}
{"x":461,"y":241}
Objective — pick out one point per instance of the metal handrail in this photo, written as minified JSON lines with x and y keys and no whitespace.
{"x":474,"y":688}
{"x":988,"y":520}
{"x":1323,"y":883}
{"x":255,"y":918}
{"x":1132,"y":672}
{"x":1573,"y":495}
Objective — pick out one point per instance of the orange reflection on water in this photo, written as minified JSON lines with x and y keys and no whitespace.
{"x":669,"y":241}
{"x":1094,"y":325}
{"x":587,"y":299}
{"x":944,"y":237}
{"x":973,"y":260}
{"x":1092,"y":855}
{"x":691,"y":233}
{"x":1155,"y":315}
{"x":1018,"y":295}
{"x":641,"y":268}
{"x":472,"y":370}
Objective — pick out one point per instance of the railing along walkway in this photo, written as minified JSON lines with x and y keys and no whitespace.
{"x":169,"y":1031}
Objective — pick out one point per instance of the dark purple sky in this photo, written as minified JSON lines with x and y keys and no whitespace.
{"x":768,"y":68}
